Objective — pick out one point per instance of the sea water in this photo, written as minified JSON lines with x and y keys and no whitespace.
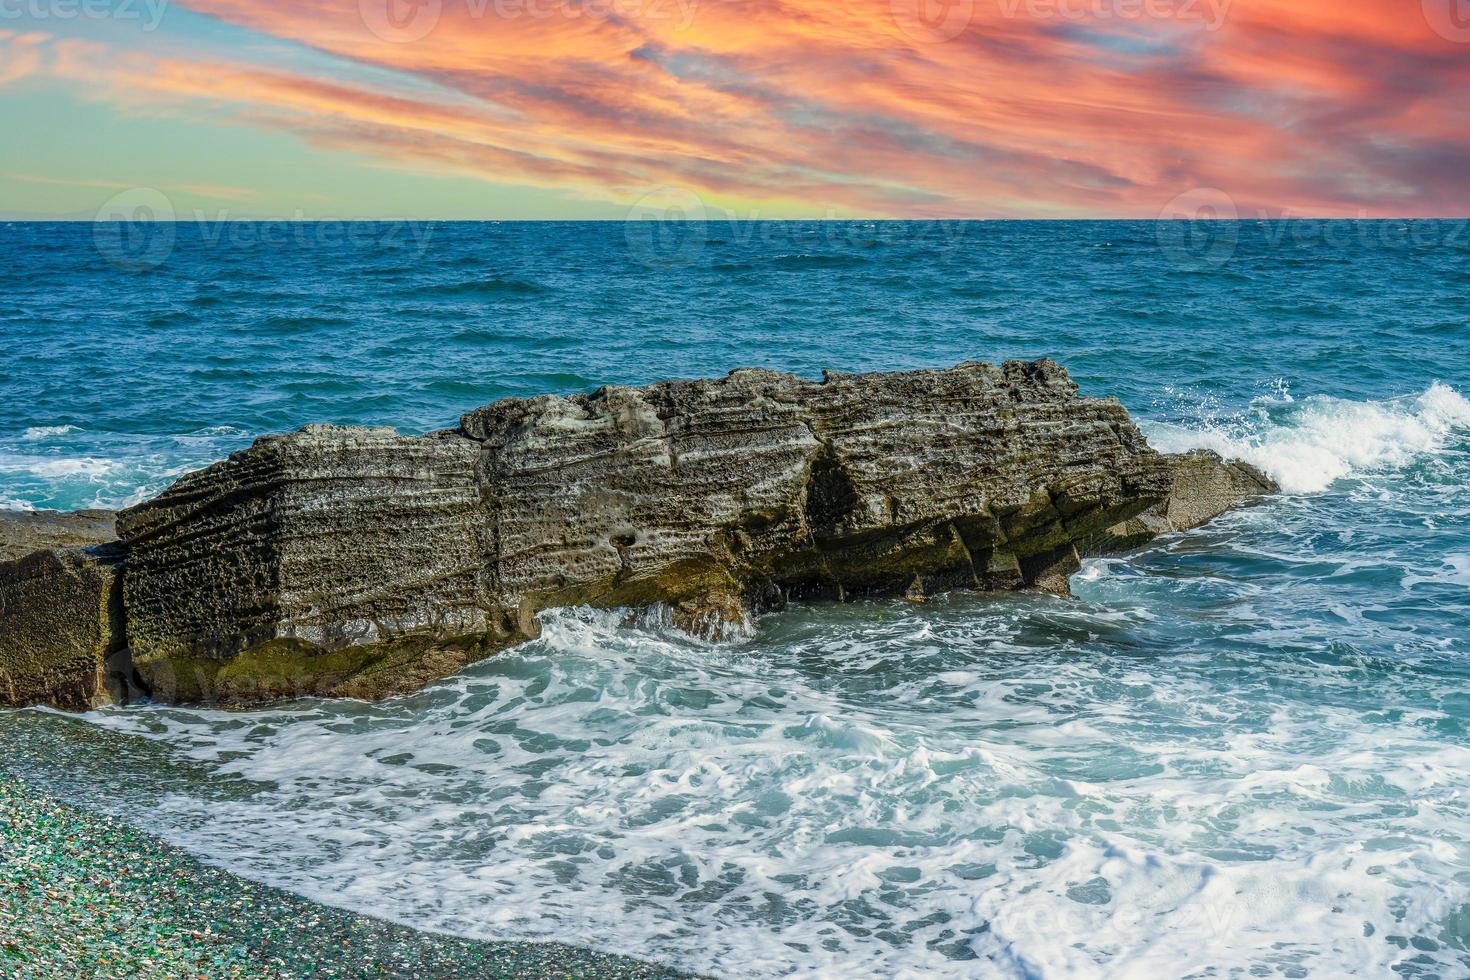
{"x":1239,"y":752}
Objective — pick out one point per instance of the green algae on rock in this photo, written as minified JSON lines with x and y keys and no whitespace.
{"x":61,"y":629}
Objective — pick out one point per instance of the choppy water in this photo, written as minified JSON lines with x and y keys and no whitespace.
{"x":1242,"y":752}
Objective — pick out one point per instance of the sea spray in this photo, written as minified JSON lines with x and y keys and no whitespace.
{"x":1058,"y":788}
{"x":1306,"y":445}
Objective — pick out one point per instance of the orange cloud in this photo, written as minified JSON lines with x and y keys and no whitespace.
{"x":20,"y":55}
{"x":964,"y":108}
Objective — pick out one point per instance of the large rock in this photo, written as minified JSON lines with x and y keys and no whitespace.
{"x":361,"y":562}
{"x":61,"y":629}
{"x":332,"y":561}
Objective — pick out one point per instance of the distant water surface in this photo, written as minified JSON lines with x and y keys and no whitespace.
{"x":1243,"y":752}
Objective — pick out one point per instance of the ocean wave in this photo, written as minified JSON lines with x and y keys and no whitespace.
{"x":1308,"y":445}
{"x":1454,"y":569}
{"x":172,"y":318}
{"x":217,"y":431}
{"x":38,"y":432}
{"x":66,"y":467}
{"x":494,"y":286}
{"x":870,"y":789}
{"x":476,"y":336}
{"x":288,"y":325}
{"x":56,"y":466}
{"x":803,"y":261}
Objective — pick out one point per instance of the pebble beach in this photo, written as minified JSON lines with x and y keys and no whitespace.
{"x":83,"y":895}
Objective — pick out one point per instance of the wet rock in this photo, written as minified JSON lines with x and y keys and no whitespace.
{"x":333,"y":561}
{"x":1205,"y":486}
{"x":61,"y":630}
{"x":22,"y":532}
{"x":359,"y":562}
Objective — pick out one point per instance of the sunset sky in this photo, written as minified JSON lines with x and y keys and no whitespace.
{"x":762,"y":108}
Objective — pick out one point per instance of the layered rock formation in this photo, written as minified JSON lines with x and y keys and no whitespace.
{"x":334,"y":561}
{"x":22,"y":532}
{"x":341,"y":561}
{"x":359,"y":562}
{"x":61,"y":626}
{"x":61,"y":629}
{"x":1205,"y":486}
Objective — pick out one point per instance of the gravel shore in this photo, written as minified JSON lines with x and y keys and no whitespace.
{"x":83,"y":895}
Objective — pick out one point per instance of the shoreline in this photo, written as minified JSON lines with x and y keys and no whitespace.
{"x":85,"y":894}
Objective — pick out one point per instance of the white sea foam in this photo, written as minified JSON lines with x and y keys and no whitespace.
{"x":868,"y":791}
{"x":1309,"y":444}
{"x":1454,"y":570}
{"x":211,"y":433}
{"x":38,"y":432}
{"x":66,"y":467}
{"x":50,"y":467}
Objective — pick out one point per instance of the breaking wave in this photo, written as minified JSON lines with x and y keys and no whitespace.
{"x":65,"y":467}
{"x":1308,"y":445}
{"x":36,"y":433}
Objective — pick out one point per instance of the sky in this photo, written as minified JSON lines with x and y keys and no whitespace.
{"x":574,"y":109}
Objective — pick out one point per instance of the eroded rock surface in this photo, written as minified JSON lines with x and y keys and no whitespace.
{"x":1205,"y":486}
{"x":351,"y":561}
{"x":61,"y":629}
{"x":332,"y":561}
{"x":359,"y":562}
{"x":22,"y":532}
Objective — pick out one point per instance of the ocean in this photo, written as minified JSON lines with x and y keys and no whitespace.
{"x":1238,"y":752}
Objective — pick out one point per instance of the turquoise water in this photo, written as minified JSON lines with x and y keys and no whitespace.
{"x":1242,"y":752}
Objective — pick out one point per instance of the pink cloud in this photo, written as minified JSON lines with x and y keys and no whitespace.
{"x":1325,"y":108}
